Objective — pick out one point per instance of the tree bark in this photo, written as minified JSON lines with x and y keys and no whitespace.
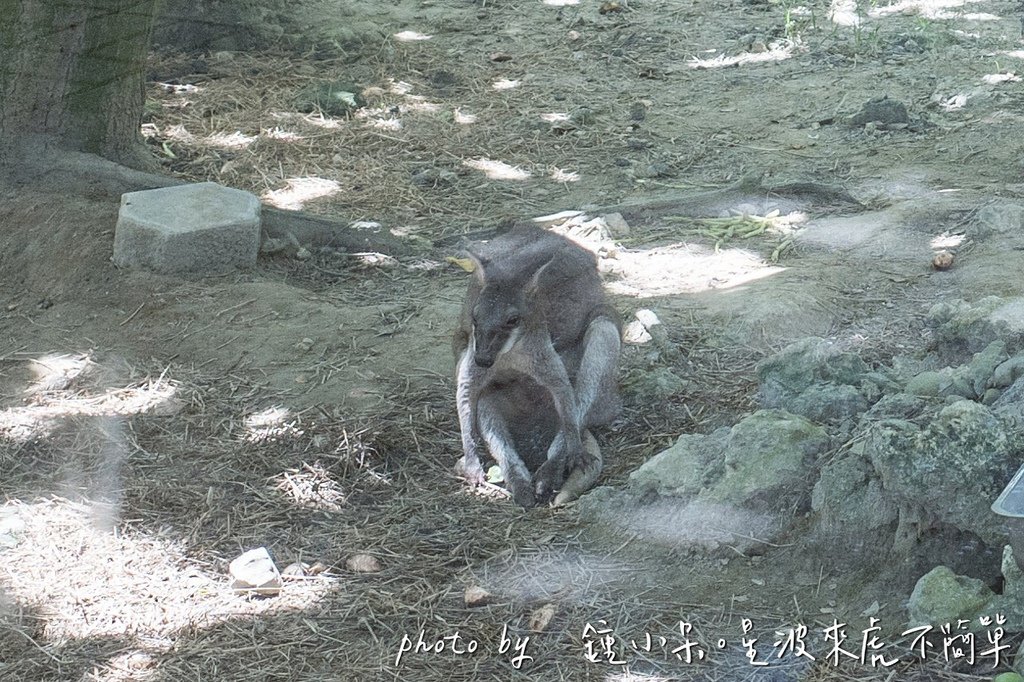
{"x":71,"y":73}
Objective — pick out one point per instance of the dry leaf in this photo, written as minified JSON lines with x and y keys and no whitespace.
{"x":464,"y":263}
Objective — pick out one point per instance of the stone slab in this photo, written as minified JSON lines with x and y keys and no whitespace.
{"x":198,"y":228}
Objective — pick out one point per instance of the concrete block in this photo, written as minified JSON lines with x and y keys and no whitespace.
{"x":198,"y":228}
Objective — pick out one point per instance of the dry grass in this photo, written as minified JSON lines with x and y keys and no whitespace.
{"x":126,"y":520}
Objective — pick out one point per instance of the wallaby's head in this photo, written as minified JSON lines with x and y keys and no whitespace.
{"x":506,"y":303}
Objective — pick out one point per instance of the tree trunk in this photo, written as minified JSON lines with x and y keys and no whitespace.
{"x":72,"y":73}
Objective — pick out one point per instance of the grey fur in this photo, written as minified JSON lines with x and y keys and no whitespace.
{"x":537,"y":350}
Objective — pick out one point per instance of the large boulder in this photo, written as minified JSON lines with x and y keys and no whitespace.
{"x":814,"y":379}
{"x":951,"y":470}
{"x":761,"y":462}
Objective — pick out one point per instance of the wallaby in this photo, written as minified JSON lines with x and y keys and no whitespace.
{"x":537,"y":351}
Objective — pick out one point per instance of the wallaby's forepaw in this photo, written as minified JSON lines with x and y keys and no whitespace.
{"x":470,"y":470}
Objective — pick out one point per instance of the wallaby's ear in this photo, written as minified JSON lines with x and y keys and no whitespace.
{"x":533,"y":286}
{"x":479,"y":266}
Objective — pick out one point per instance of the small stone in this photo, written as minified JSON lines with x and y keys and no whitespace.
{"x":317,"y":568}
{"x":303,"y":253}
{"x":500,"y":57}
{"x":926,"y":384}
{"x":304,"y":345}
{"x":477,"y":596}
{"x":294,"y":570}
{"x":990,"y":396}
{"x":943,"y":260}
{"x":254,"y":572}
{"x":941,"y":596}
{"x":363,"y":563}
{"x":541,"y":618}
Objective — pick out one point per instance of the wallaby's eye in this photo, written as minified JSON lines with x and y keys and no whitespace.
{"x":512,"y":320}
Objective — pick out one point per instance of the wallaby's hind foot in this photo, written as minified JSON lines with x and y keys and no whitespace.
{"x":583,"y":477}
{"x":522,"y":492}
{"x":470,"y":469}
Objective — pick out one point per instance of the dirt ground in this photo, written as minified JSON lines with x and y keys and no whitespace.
{"x":153,"y":427}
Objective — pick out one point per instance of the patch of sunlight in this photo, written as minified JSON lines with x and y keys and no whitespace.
{"x":390,"y":124}
{"x":311,"y":486}
{"x":316,"y":119}
{"x":561,"y":3}
{"x":282,"y":135}
{"x":947,"y":241}
{"x":321,"y":121}
{"x":844,"y":13}
{"x":25,"y":422}
{"x":235,"y":140}
{"x":684,"y":268}
{"x":56,"y":371}
{"x":411,"y":36}
{"x":463,"y":118}
{"x":497,"y":170}
{"x":929,"y":9}
{"x":777,"y":51}
{"x":400,"y":88}
{"x":365,"y":225}
{"x":561,"y":175}
{"x":997,"y":78}
{"x":270,"y":425}
{"x":1016,"y":54}
{"x":954,"y":102}
{"x":505,"y":84}
{"x":298,"y":191}
{"x":418,"y":103}
{"x":555,"y":117}
{"x":972,"y":16}
{"x":141,"y":589}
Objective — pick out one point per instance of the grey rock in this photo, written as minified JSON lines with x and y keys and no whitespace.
{"x":896,"y":406}
{"x":1007,"y":372}
{"x":983,"y":365}
{"x":962,"y":328}
{"x":1009,"y":604}
{"x":801,"y":364}
{"x":767,"y":456}
{"x":760,"y":462}
{"x":686,"y":467}
{"x":927,"y":384}
{"x":848,"y":498}
{"x":951,"y":470}
{"x":997,"y":218}
{"x":940,"y":596}
{"x":198,"y":228}
{"x":828,"y":403}
{"x":881,"y":110}
{"x":254,"y":572}
{"x":656,"y":384}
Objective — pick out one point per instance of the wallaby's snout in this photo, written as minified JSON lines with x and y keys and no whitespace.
{"x":496,"y":322}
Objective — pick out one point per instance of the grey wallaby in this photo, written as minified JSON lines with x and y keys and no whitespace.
{"x":537,"y":350}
